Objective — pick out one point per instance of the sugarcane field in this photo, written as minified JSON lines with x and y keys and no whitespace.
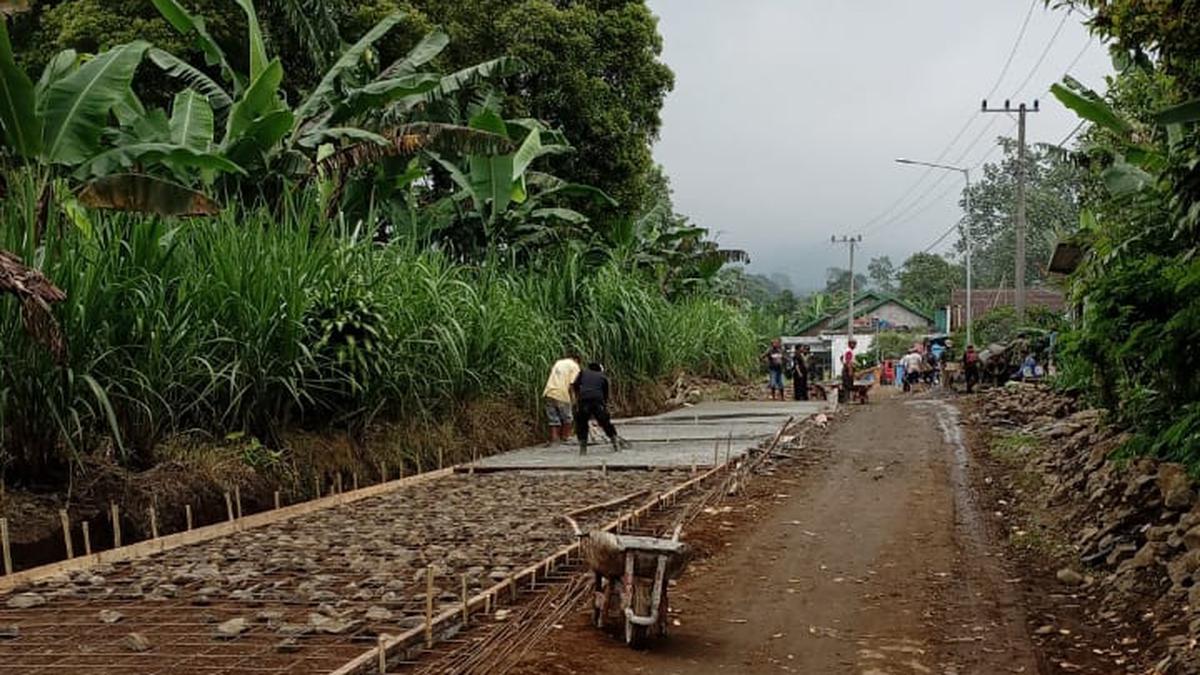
{"x":436,"y":337}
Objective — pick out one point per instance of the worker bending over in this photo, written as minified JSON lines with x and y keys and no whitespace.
{"x":591,"y":396}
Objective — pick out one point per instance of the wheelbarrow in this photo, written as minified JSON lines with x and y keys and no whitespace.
{"x":632,"y":574}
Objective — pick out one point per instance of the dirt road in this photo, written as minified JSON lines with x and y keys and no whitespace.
{"x":870,"y":558}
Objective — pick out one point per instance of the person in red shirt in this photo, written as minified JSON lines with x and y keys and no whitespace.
{"x":848,"y":372}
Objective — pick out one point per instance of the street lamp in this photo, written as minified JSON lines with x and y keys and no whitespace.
{"x":967,"y":233}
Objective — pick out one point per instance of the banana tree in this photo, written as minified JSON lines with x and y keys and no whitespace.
{"x":62,"y":126}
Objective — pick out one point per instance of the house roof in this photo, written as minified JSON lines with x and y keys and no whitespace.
{"x":865,"y":303}
{"x":984,"y":299}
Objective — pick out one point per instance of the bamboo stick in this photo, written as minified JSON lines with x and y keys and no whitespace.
{"x":429,"y":607}
{"x":229,"y":506}
{"x":87,"y":539}
{"x":337,"y":483}
{"x":153,"y":523}
{"x":382,"y":647}
{"x":116,"y":523}
{"x":8,"y":566}
{"x":354,"y":480}
{"x":187,"y":511}
{"x":66,"y":530}
{"x":237,"y":499}
{"x":466,"y":607}
{"x":277,"y":500}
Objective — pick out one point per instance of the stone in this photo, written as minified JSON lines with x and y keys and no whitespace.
{"x":330,"y":625}
{"x":10,"y":631}
{"x":25,"y":601}
{"x":232,"y":628}
{"x":1194,"y":598}
{"x":288,"y":646}
{"x":1145,"y":557}
{"x":270,"y":616}
{"x":1175,"y":486}
{"x":136,"y":642}
{"x":1181,"y":568}
{"x":110,"y":616}
{"x":292,"y":629}
{"x":377,"y":613}
{"x":1069,"y":577}
{"x":1191,"y":538}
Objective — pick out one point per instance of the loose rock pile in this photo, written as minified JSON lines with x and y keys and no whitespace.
{"x":1136,"y":522}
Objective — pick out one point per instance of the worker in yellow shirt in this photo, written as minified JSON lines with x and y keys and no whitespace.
{"x":558,"y":397}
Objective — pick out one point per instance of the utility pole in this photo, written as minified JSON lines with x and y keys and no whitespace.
{"x":852,"y":241}
{"x":1019,"y":278}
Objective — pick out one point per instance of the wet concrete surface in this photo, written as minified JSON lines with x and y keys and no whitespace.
{"x":681,"y":438}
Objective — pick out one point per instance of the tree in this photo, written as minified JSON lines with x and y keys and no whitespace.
{"x":882,"y":274}
{"x":837,"y":281}
{"x":593,"y":67}
{"x":1052,"y":192}
{"x":926,"y":280}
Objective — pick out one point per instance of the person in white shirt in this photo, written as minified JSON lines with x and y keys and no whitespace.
{"x":558,"y":397}
{"x":913,"y":363}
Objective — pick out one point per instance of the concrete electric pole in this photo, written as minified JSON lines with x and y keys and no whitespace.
{"x":852,"y":241}
{"x":1019,"y":277}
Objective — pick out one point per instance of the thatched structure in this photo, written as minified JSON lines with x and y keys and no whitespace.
{"x":35,"y":293}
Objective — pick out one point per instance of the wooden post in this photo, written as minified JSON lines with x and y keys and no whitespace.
{"x":116,"y":524}
{"x":316,"y":487}
{"x":229,"y":506}
{"x":716,"y":451}
{"x":277,"y":500}
{"x":419,"y":469}
{"x":87,"y":538}
{"x":466,"y":602}
{"x":604,"y":468}
{"x":383,"y":472}
{"x":4,"y":545}
{"x":66,"y":529}
{"x":441,"y":458}
{"x":237,"y":499}
{"x":487,"y":604}
{"x":512,"y":587}
{"x":153,"y":523}
{"x":382,"y":649}
{"x":354,"y":480}
{"x":187,"y":510}
{"x":729,"y":447}
{"x":429,"y":607}
{"x":402,"y":469}
{"x":337,"y":483}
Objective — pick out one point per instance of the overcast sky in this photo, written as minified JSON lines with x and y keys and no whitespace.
{"x":787,"y":115}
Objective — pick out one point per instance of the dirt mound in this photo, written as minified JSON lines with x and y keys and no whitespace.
{"x":1132,"y":524}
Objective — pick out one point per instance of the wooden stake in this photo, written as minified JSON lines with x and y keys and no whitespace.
{"x":66,"y":529}
{"x":229,"y":506}
{"x":153,"y":523}
{"x":429,"y":607}
{"x":316,"y":487}
{"x":116,"y":524}
{"x":277,"y":500}
{"x":466,"y":602}
{"x":402,"y":469}
{"x":383,"y":472}
{"x":487,"y":604}
{"x":187,"y":511}
{"x":237,"y":499}
{"x":604,"y":468}
{"x":354,"y":480}
{"x":337,"y":483}
{"x":382,"y":649}
{"x":87,"y":539}
{"x":441,"y":464}
{"x":729,"y":447}
{"x":716,"y":451}
{"x":4,"y":545}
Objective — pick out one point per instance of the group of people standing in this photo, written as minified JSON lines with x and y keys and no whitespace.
{"x":575,"y":396}
{"x":782,"y":365}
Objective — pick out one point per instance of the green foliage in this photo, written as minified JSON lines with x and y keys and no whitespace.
{"x":882,"y":274}
{"x":1001,"y":325}
{"x":894,"y":344}
{"x":254,"y":321}
{"x":1054,"y":186}
{"x":926,"y":280}
{"x":1139,"y":285}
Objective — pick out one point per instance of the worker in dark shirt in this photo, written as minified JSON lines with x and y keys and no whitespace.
{"x":591,"y":397}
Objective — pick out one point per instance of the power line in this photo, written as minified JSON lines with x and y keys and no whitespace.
{"x":962,"y":130}
{"x":1042,"y":58}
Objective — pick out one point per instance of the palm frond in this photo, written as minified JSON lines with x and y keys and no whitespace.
{"x":313,"y":23}
{"x":36,"y":293}
{"x":410,"y":139}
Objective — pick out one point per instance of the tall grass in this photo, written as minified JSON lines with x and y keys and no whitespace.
{"x":257,"y":322}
